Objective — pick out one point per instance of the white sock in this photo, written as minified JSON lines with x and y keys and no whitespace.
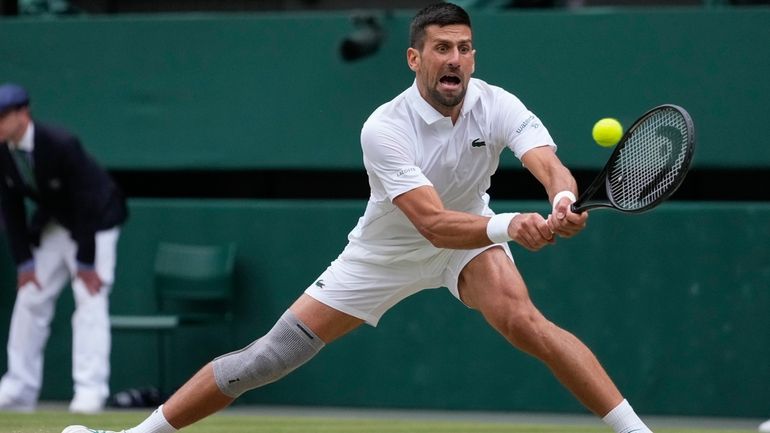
{"x":623,"y":419}
{"x":155,"y":423}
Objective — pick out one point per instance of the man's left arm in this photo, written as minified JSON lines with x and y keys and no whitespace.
{"x":559,"y":183}
{"x":84,"y":195}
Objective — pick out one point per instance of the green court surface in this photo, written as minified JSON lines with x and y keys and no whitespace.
{"x":313,"y":421}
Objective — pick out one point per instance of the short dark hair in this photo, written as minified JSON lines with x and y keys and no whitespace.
{"x":440,"y":14}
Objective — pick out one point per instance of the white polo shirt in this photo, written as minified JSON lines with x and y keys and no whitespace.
{"x":407,"y":144}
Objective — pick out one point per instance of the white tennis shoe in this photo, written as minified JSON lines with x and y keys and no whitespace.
{"x":8,"y":404}
{"x":84,"y":429}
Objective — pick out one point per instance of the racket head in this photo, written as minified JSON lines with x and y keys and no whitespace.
{"x":651,"y":160}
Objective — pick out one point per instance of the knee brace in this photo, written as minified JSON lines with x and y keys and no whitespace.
{"x":286,"y":347}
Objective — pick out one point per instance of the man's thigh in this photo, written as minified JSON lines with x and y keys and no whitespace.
{"x":326,"y":322}
{"x":52,"y":269}
{"x":491,"y":279}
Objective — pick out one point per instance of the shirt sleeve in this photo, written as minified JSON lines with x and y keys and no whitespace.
{"x":521,"y":129}
{"x":390,"y":160}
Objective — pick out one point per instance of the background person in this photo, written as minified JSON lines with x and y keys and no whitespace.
{"x":72,"y":236}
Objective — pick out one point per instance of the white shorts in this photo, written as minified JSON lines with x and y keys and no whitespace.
{"x":366,"y":289}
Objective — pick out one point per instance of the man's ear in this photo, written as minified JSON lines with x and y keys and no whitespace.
{"x":413,"y":59}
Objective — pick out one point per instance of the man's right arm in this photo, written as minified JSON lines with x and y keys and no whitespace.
{"x":15,"y":218}
{"x":446,"y":228}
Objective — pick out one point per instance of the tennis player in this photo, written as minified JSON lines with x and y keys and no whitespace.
{"x":429,"y":154}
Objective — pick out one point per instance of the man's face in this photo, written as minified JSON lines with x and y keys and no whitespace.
{"x":444,"y":66}
{"x":11,"y":125}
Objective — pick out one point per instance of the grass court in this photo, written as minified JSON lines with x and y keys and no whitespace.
{"x":244,"y":421}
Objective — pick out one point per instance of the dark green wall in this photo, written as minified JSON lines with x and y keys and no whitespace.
{"x":674,"y":303}
{"x":255,"y":90}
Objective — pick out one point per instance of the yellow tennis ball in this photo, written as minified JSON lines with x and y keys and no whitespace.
{"x":607,"y":132}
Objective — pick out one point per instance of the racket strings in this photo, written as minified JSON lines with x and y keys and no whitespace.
{"x":651,"y":161}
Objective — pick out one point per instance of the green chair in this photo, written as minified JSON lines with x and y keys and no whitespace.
{"x":193,"y":285}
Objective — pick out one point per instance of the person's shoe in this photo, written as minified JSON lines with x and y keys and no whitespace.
{"x":765,"y":427}
{"x":84,"y":429}
{"x":86,"y":404}
{"x":8,"y":404}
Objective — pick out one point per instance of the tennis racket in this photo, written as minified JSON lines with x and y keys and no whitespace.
{"x":648,"y":164}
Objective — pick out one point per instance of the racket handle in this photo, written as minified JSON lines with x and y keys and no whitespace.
{"x":576,"y":208}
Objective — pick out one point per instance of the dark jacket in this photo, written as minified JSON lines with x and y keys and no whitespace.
{"x":72,"y":189}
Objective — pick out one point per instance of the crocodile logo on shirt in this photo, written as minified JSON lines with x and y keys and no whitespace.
{"x":478,"y":143}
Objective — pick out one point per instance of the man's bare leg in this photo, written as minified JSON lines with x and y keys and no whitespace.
{"x":491,"y":284}
{"x":201,"y":397}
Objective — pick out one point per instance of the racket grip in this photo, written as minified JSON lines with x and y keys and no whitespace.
{"x":576,"y":208}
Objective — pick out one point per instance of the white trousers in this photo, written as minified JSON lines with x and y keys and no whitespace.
{"x":55,"y":266}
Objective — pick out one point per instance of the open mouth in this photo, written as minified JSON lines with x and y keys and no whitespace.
{"x":450,"y":81}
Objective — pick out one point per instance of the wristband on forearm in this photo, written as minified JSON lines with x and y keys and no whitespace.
{"x":561,"y":195}
{"x":497,"y":227}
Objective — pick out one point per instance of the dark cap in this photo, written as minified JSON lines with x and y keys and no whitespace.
{"x":12,"y":96}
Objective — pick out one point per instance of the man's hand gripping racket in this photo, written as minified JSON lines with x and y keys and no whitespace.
{"x":647,"y":166}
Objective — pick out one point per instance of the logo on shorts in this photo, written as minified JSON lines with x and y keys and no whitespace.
{"x":320,"y":284}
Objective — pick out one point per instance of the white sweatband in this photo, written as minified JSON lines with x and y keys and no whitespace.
{"x":497,"y":227}
{"x":561,"y":195}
